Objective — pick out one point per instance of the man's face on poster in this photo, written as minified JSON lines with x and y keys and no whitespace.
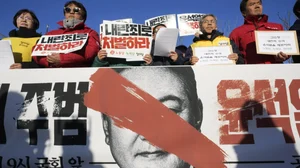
{"x":131,"y":150}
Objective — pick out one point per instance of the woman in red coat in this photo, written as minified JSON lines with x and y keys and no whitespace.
{"x":75,"y":17}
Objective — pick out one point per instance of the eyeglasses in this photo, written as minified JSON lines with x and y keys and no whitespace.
{"x":75,"y":10}
{"x":26,"y":18}
{"x":209,"y":21}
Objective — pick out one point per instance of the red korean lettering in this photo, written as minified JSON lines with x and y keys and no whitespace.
{"x":64,"y":46}
{"x":143,"y":42}
{"x":107,"y":43}
{"x":238,"y":119}
{"x":263,"y":94}
{"x":233,"y":102}
{"x":281,"y":96}
{"x":39,"y":47}
{"x":120,"y":42}
{"x":295,"y":100}
{"x":131,"y":42}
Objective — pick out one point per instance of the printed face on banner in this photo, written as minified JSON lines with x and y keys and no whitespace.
{"x":132,"y":150}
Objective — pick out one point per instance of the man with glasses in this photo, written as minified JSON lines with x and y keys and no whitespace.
{"x":211,"y":37}
{"x":74,"y":23}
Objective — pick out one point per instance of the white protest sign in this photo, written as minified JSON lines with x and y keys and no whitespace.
{"x":273,"y":42}
{"x":64,"y":43}
{"x":213,"y":55}
{"x":6,"y":55}
{"x":165,"y":41}
{"x":168,"y":20}
{"x":130,"y":41}
{"x":188,"y":23}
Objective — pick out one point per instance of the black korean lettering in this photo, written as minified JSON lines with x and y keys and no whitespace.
{"x":146,"y":31}
{"x":14,"y":163}
{"x":114,"y":29}
{"x":123,"y":30}
{"x":61,"y":139}
{"x":76,"y":163}
{"x":37,"y":89}
{"x":135,"y":30}
{"x":68,"y":37}
{"x":58,"y":39}
{"x":81,"y":36}
{"x":47,"y":40}
{"x":3,"y":97}
{"x":69,"y":98}
{"x":32,"y":126}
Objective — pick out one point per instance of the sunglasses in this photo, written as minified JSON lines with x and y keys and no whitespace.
{"x":75,"y":10}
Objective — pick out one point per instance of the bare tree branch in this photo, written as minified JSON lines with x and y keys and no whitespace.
{"x":286,"y":20}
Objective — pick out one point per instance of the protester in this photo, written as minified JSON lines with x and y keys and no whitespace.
{"x":74,"y":23}
{"x":296,"y":26}
{"x":244,"y":35}
{"x":24,"y":38}
{"x":174,"y":57}
{"x":211,"y":37}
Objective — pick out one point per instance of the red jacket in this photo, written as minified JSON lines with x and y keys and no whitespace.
{"x":81,"y":58}
{"x":244,"y":38}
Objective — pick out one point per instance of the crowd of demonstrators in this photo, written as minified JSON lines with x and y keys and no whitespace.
{"x":211,"y":37}
{"x":296,"y":26}
{"x":244,"y":35}
{"x":242,"y":40}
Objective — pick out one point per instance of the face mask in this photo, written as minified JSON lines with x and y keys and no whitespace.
{"x":71,"y":23}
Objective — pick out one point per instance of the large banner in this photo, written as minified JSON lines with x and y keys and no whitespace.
{"x":158,"y":117}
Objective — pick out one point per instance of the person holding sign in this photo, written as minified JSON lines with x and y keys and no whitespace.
{"x":174,"y":57}
{"x":24,"y":38}
{"x":296,"y":26}
{"x":73,"y":32}
{"x":244,"y":36}
{"x":131,"y":150}
{"x":211,"y":37}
